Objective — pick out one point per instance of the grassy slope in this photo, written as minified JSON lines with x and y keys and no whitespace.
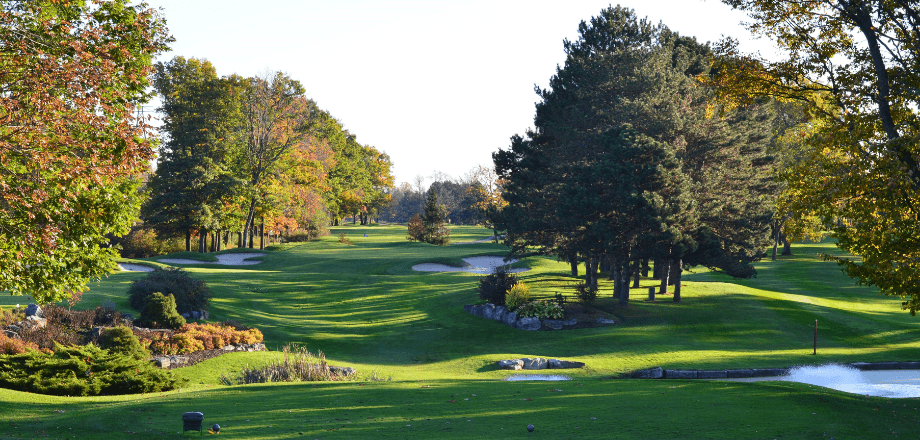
{"x":364,"y":307}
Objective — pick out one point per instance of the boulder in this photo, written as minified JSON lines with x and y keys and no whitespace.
{"x":560,"y":364}
{"x":34,"y":310}
{"x":510,"y":318}
{"x":712,"y":374}
{"x":511,"y":364}
{"x":476,"y":310}
{"x":186,"y":315}
{"x":161,"y":362}
{"x":194,"y":314}
{"x":605,"y":321}
{"x":680,"y":374}
{"x":499,"y":313}
{"x":342,"y":371}
{"x":570,"y":322}
{"x":552,"y":324}
{"x":10,"y":334}
{"x":528,"y":323}
{"x":488,"y":310}
{"x":534,"y":363}
{"x":649,"y":373}
{"x":468,"y":308}
{"x":35,"y":321}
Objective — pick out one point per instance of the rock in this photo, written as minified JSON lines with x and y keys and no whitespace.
{"x":35,"y":321}
{"x":229,"y":347}
{"x":570,"y":322}
{"x":552,"y":324}
{"x":870,"y":366}
{"x":97,"y":332}
{"x":34,"y":310}
{"x":511,"y":364}
{"x":909,"y":365}
{"x":734,"y":374}
{"x":10,"y":334}
{"x":534,"y":363}
{"x":204,"y":314}
{"x":605,"y":321}
{"x":161,"y":362}
{"x":713,"y":374}
{"x":560,"y":364}
{"x":194,"y":314}
{"x":186,"y":315}
{"x":476,"y":310}
{"x":680,"y":374}
{"x":14,"y":328}
{"x":488,"y":310}
{"x":528,"y":323}
{"x":468,"y":308}
{"x":510,"y":318}
{"x":499,"y":313}
{"x":342,"y":371}
{"x":649,"y":373}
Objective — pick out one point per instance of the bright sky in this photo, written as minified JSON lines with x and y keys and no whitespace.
{"x":437,"y":85}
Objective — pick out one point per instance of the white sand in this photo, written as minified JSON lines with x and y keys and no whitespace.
{"x":234,"y":259}
{"x":480,"y":265}
{"x":130,"y":267}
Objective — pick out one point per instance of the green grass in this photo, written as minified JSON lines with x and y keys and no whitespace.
{"x":363,"y":306}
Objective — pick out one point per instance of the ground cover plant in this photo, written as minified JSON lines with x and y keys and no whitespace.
{"x":364,"y":307}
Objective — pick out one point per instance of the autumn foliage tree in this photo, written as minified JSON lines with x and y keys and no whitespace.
{"x":72,"y":74}
{"x":855,"y":66}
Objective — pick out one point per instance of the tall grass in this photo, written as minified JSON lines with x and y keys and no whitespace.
{"x":298,"y":365}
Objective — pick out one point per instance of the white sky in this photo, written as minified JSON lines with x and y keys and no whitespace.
{"x":437,"y":85}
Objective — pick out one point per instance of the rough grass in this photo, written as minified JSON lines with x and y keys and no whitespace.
{"x":364,"y":307}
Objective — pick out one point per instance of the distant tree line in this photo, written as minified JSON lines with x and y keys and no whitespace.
{"x":464,"y":200}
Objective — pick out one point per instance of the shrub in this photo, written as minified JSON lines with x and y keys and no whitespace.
{"x":195,"y":337}
{"x":52,"y":334}
{"x":518,"y":294}
{"x":416,"y":229}
{"x":585,"y":293}
{"x":190,"y":293}
{"x":495,"y":286}
{"x":299,"y":365}
{"x":82,"y":371}
{"x":541,"y":309}
{"x":122,"y":340}
{"x":9,"y":345}
{"x":11,"y":316}
{"x":160,"y":311}
{"x":343,"y":239}
{"x":143,"y":242}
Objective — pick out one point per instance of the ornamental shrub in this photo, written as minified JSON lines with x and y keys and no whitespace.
{"x":518,"y":294}
{"x":122,"y":340}
{"x":10,"y":345}
{"x":195,"y":337}
{"x":82,"y":371}
{"x":541,"y":309}
{"x":585,"y":293}
{"x":160,"y":312}
{"x":189,"y":293}
{"x":495,"y":286}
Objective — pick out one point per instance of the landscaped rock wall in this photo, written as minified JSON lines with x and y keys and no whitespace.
{"x":659,"y":373}
{"x":511,"y":319}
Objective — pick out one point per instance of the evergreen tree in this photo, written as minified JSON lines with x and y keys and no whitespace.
{"x":433,"y":219}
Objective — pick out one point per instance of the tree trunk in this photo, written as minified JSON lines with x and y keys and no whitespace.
{"x":664,"y":275}
{"x":623,"y":281}
{"x":610,"y":263}
{"x":252,"y":236}
{"x":656,"y":272}
{"x":220,"y":241}
{"x":775,"y":240}
{"x":673,"y":271}
{"x":262,"y":233}
{"x":787,"y":247}
{"x":247,"y":228}
{"x":645,"y":267}
{"x":677,"y":274}
{"x":202,"y":241}
{"x":615,"y":275}
{"x":573,"y":263}
{"x":636,"y":274}
{"x":188,"y":240}
{"x":239,"y":239}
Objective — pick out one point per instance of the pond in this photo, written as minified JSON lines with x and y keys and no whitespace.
{"x":883,"y":383}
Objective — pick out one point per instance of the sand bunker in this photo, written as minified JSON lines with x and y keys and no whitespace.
{"x":884,"y":383}
{"x":235,"y":259}
{"x":480,"y":265}
{"x":130,"y":267}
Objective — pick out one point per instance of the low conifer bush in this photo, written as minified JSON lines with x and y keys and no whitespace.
{"x":160,"y":312}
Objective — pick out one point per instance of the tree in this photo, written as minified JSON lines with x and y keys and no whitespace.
{"x":198,"y":164}
{"x":856,"y":65}
{"x":276,"y":119}
{"x":568,"y":193}
{"x":430,"y":227}
{"x":72,"y":75}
